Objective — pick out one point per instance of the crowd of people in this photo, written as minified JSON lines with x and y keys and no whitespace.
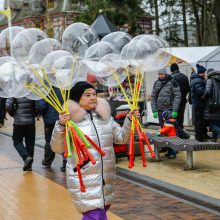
{"x":169,"y":97}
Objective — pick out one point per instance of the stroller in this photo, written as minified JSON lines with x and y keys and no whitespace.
{"x":121,"y":150}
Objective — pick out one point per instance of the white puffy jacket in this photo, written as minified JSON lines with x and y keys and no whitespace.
{"x":99,"y":179}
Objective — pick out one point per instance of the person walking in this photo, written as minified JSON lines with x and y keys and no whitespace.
{"x":197,"y":89}
{"x":93,"y":117}
{"x":165,"y":96}
{"x":212,"y":97}
{"x":24,"y":112}
{"x":183,"y":83}
{"x":50,"y":116}
{"x":2,"y":111}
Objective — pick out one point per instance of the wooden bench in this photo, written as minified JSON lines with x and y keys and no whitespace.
{"x":179,"y":144}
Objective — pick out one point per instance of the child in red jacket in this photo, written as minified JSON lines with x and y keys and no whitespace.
{"x":169,"y":130}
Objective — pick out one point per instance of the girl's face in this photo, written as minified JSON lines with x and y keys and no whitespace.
{"x":88,"y":100}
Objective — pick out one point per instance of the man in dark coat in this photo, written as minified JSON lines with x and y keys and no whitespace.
{"x":165,"y":96}
{"x":183,"y":83}
{"x":212,"y":97}
{"x":24,"y":111}
{"x":197,"y":89}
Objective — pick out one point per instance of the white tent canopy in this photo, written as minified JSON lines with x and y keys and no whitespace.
{"x":186,"y":57}
{"x":207,"y":56}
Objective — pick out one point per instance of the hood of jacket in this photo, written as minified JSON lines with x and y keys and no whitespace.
{"x":214,"y":74}
{"x":77,"y":113}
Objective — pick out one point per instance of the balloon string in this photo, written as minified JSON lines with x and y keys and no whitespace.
{"x":129,"y":81}
{"x":51,"y":88}
{"x":122,"y":89}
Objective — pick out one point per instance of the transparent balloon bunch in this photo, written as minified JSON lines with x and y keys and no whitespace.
{"x":148,"y":52}
{"x":32,"y":65}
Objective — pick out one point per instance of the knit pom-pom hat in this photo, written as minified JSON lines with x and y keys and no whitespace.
{"x":200,"y":69}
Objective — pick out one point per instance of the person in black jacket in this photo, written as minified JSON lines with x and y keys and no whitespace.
{"x":24,"y":111}
{"x":197,"y":89}
{"x":50,"y":116}
{"x":165,"y":95}
{"x":183,"y":83}
{"x":212,"y":97}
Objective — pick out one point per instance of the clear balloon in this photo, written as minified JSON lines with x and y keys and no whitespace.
{"x":78,"y":37}
{"x":41,"y":48}
{"x":2,"y":61}
{"x":6,"y":59}
{"x":110,"y":62}
{"x":118,"y":39}
{"x":6,"y":39}
{"x":13,"y":77}
{"x":65,"y":74}
{"x":51,"y":58}
{"x":81,"y":70}
{"x":96,"y":68}
{"x":99,"y":50}
{"x":150,"y":52}
{"x":23,"y":42}
{"x":117,"y":77}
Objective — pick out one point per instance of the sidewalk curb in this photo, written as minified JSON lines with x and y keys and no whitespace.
{"x":186,"y":194}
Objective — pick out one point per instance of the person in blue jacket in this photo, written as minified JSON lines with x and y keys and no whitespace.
{"x":50,"y":116}
{"x":197,"y":89}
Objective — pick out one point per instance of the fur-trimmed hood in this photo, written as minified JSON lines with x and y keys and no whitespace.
{"x":77,"y":113}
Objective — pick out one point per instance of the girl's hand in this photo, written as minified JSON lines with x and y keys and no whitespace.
{"x":64,"y":117}
{"x":134,"y":113}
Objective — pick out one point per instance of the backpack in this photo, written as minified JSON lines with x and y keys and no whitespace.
{"x":215,"y":99}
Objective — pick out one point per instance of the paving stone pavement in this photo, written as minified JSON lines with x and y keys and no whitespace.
{"x":132,"y":201}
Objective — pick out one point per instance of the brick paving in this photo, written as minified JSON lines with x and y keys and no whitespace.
{"x":132,"y":201}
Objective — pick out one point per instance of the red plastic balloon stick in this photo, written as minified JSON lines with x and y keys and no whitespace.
{"x":144,"y":162}
{"x":95,"y":145}
{"x":148,"y":144}
{"x":77,"y":145}
{"x":131,"y":150}
{"x":89,"y":155}
{"x":82,"y":187}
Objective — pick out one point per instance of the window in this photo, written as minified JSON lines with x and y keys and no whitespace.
{"x":50,"y":4}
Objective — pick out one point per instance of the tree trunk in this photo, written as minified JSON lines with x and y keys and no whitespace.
{"x":217,"y":16}
{"x":198,"y":29}
{"x":156,"y":18}
{"x":185,"y":24}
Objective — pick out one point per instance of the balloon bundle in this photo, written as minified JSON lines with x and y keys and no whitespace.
{"x":135,"y":124}
{"x":32,"y":65}
{"x":74,"y":139}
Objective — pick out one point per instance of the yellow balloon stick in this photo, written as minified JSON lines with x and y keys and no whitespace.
{"x":122,"y":89}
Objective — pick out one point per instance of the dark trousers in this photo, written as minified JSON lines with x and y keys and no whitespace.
{"x":2,"y":110}
{"x":180,"y":116}
{"x":26,"y":133}
{"x":200,"y":123}
{"x":49,"y":155}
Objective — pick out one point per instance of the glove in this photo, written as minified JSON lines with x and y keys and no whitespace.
{"x":174,"y":114}
{"x":157,"y":133}
{"x":155,"y":114}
